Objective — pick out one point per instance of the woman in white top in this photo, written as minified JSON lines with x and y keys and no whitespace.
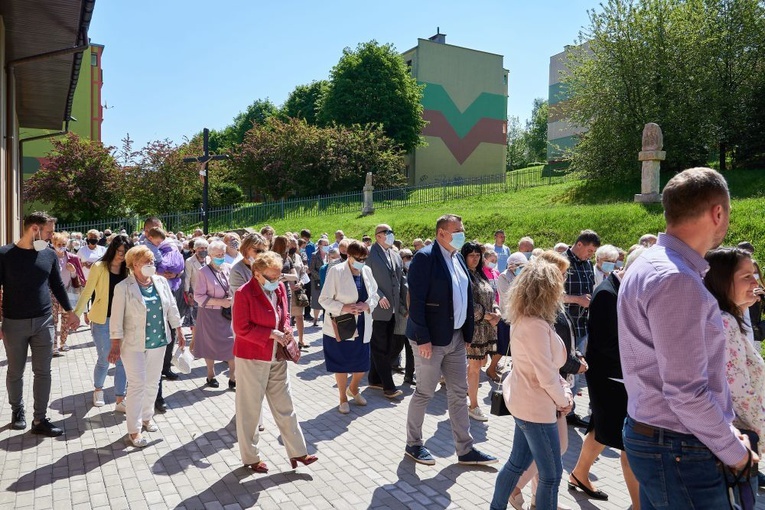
{"x":90,"y":252}
{"x":731,"y":281}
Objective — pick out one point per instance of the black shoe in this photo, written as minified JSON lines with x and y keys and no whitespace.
{"x":232,"y":385}
{"x":46,"y":428}
{"x":213,"y":383}
{"x":160,"y":406}
{"x":170,"y":375}
{"x":410,"y":381}
{"x":18,"y":421}
{"x":576,"y":421}
{"x":594,"y":494}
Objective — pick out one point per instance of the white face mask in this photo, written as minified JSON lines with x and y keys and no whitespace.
{"x":61,"y":249}
{"x":40,"y":244}
{"x":148,"y":271}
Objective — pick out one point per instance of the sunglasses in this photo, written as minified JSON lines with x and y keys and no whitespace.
{"x":386,"y":232}
{"x":361,"y":260}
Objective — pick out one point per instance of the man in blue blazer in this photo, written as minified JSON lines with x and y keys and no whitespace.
{"x":440,"y":322}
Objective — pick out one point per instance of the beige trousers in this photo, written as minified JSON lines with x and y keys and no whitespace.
{"x":255,"y":380}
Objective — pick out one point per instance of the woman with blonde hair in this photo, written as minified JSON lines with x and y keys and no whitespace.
{"x":536,"y":394}
{"x":74,"y":280}
{"x":261,"y":321}
{"x":143,"y":311}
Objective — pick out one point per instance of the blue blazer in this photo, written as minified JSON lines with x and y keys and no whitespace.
{"x":431,"y":309}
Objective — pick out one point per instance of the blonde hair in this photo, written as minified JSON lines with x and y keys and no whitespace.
{"x":60,"y":237}
{"x":536,"y":292}
{"x":157,"y":232}
{"x":553,"y":257}
{"x":93,"y":232}
{"x":267,"y":260}
{"x":251,"y":241}
{"x":140,"y":253}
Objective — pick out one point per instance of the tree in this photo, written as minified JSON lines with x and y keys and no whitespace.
{"x":372,"y":84}
{"x":159,"y":182}
{"x":517,"y":151}
{"x":292,"y":158}
{"x":536,"y":132}
{"x":80,"y":179}
{"x":303,"y":102}
{"x":673,"y":62}
{"x":233,"y":134}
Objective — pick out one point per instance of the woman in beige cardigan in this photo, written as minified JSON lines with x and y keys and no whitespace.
{"x":349,"y":288}
{"x":536,"y":393}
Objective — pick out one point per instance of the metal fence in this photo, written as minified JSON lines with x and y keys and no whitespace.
{"x":224,"y":218}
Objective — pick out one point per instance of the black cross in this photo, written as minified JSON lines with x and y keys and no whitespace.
{"x":205,"y":158}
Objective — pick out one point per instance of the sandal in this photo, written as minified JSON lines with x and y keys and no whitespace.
{"x":258,"y":467}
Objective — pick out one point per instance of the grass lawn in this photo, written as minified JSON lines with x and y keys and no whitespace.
{"x":550,"y":214}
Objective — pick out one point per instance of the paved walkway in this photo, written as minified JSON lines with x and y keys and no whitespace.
{"x":193,"y":461}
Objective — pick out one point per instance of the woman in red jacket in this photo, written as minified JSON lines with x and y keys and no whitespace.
{"x":261,"y":320}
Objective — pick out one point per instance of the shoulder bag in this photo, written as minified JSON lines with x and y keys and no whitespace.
{"x":291,"y":351}
{"x":344,"y":326}
{"x":225,"y":312}
{"x":498,"y":404}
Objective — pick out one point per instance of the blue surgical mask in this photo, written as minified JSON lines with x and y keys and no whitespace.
{"x":407,"y":263}
{"x":270,"y":286}
{"x":607,"y":267}
{"x":325,"y":248}
{"x":491,"y":265}
{"x":518,"y":270}
{"x":358,"y":266}
{"x":389,"y":239}
{"x":527,"y":254}
{"x":218,"y":261}
{"x":458,"y":239}
{"x":619,"y":264}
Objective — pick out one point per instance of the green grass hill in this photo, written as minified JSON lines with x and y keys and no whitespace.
{"x":550,"y":214}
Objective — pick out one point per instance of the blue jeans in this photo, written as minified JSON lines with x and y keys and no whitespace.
{"x":103,"y":343}
{"x":538,"y":442}
{"x":675,"y":471}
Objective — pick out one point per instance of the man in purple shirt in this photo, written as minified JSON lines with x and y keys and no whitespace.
{"x":678,"y":431}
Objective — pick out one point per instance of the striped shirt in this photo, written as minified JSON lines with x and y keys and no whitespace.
{"x":672,"y":348}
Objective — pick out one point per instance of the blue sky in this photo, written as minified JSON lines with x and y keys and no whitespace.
{"x":172,"y":67}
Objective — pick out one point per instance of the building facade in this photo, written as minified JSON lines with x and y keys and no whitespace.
{"x":562,"y":134}
{"x":465,"y":105}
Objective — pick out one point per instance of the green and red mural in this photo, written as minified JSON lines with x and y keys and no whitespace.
{"x":483,"y":121}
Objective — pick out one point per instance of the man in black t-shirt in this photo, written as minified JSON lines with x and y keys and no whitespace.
{"x":28,"y":274}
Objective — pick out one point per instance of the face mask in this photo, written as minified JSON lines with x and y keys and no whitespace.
{"x":92,"y":242}
{"x":76,"y":245}
{"x":61,"y":249}
{"x":148,"y":271}
{"x":527,"y":254}
{"x":251,"y":260}
{"x":518,"y":270}
{"x":269,"y":285}
{"x":407,"y":264}
{"x":607,"y":267}
{"x":234,"y":245}
{"x":333,"y":262}
{"x":40,"y":244}
{"x":325,"y":248}
{"x":491,"y":265}
{"x":343,"y":256}
{"x":358,"y":265}
{"x":619,"y":264}
{"x":202,"y":254}
{"x":389,"y":239}
{"x":218,"y":261}
{"x":458,"y":239}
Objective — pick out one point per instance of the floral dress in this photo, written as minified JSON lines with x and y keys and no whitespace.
{"x":485,"y":335}
{"x":745,"y":371}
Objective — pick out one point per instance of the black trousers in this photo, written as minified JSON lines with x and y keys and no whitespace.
{"x":382,"y":347}
{"x":402,"y":344}
{"x":167,"y":364}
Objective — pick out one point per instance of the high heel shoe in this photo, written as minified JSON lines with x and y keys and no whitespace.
{"x":591,"y":493}
{"x":259,"y":467}
{"x":305,"y":460}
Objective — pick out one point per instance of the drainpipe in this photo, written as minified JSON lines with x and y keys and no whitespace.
{"x":16,"y":178}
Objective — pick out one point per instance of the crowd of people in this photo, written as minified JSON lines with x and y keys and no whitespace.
{"x":664,"y":333}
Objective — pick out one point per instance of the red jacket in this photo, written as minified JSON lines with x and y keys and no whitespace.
{"x":253,"y":320}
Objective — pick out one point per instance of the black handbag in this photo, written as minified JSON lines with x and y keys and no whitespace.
{"x":225,"y":312}
{"x":344,"y":326}
{"x":498,"y":405}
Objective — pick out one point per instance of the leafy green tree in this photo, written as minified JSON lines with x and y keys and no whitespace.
{"x":80,"y":179}
{"x":372,"y":85}
{"x":517,"y":150}
{"x":303,"y":102}
{"x":292,"y":158}
{"x":536,"y":132}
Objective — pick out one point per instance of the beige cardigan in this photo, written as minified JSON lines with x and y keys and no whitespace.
{"x":536,"y":389}
{"x":339,"y":289}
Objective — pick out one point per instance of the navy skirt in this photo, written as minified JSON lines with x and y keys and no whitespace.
{"x":503,"y":337}
{"x":345,"y":357}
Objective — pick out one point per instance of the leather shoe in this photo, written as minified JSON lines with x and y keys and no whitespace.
{"x":170,"y":375}
{"x":411,"y":381}
{"x":18,"y":421}
{"x":160,"y":406}
{"x":46,"y":428}
{"x":576,"y":421}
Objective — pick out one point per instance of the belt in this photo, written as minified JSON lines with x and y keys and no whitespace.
{"x":649,"y":430}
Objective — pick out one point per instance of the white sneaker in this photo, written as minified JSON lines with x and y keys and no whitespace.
{"x":119,"y":407}
{"x":516,"y":501}
{"x":150,"y":426}
{"x":477,"y":414}
{"x":98,"y":398}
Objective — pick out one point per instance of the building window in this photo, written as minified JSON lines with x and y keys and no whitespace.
{"x":94,"y":59}
{"x":504,"y":79}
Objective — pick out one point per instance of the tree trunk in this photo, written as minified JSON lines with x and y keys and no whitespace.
{"x":722,"y":156}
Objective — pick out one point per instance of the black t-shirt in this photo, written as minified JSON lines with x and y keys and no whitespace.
{"x":114,"y":279}
{"x":27,"y":278}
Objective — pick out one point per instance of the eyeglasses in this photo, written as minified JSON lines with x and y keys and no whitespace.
{"x":361,"y":259}
{"x":260,"y":251}
{"x":386,"y":232}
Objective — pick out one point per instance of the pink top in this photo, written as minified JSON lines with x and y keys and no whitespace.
{"x":493,"y":276}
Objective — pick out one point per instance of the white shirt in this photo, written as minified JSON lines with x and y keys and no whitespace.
{"x":460,"y":284}
{"x":91,"y":256}
{"x":232,"y":260}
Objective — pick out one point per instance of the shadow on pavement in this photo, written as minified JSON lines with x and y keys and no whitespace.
{"x":194,"y":453}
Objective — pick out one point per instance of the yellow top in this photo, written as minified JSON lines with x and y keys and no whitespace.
{"x":98,"y":282}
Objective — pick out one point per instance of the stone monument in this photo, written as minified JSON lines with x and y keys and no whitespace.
{"x":651,"y":156}
{"x":369,"y":206}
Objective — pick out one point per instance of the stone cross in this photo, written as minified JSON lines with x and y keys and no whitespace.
{"x":651,"y":156}
{"x":368,"y":207}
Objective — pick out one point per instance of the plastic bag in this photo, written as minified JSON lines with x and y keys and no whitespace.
{"x":182,"y":360}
